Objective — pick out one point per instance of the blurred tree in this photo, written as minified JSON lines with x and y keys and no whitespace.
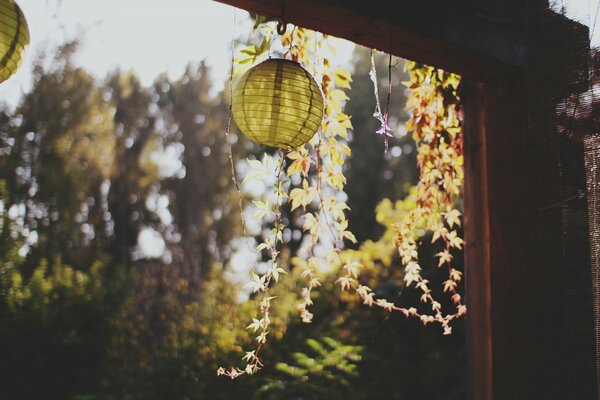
{"x":53,"y":330}
{"x":171,"y":328}
{"x":134,"y":172}
{"x":57,"y":151}
{"x":56,"y":155}
{"x":201,"y":197}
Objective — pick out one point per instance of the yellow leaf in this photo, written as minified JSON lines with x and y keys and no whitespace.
{"x":454,"y":240}
{"x":449,"y":285}
{"x":345,"y":148}
{"x":445,"y":257}
{"x":336,"y":180}
{"x":344,"y":120}
{"x":342,"y":131}
{"x":342,"y":78}
{"x":455,"y":275}
{"x":338,"y":96}
{"x":350,"y":236}
{"x":297,"y":198}
{"x":453,"y":218}
{"x":302,"y":197}
{"x":311,"y":224}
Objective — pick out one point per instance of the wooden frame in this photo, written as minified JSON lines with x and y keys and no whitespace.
{"x":487,"y":42}
{"x":463,"y":37}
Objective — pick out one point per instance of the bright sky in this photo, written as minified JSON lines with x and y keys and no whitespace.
{"x":583,"y":11}
{"x":148,"y":36}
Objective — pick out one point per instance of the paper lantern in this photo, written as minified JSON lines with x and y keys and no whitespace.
{"x":14,"y":38}
{"x":278,"y":103}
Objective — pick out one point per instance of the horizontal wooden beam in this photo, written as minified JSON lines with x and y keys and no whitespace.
{"x":456,"y":38}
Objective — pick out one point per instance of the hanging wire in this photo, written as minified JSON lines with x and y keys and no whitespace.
{"x":595,"y":20}
{"x":273,"y":37}
{"x":292,"y":41}
{"x":387,"y":102}
{"x":227,"y":130}
{"x":280,"y":29}
{"x":316,"y":55}
{"x":383,"y":118}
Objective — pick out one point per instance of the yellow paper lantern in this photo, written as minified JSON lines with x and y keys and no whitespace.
{"x":278,"y":103}
{"x":14,"y":38}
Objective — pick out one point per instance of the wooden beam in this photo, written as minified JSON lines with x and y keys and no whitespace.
{"x":477,"y":244}
{"x":530,"y":330}
{"x":451,"y":37}
{"x":497,"y":218}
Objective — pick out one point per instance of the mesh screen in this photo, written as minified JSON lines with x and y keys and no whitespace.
{"x":591,"y":141}
{"x":592,"y":165}
{"x":564,"y":155}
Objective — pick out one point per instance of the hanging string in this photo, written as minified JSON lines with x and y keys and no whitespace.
{"x":227,"y":130}
{"x":387,"y":102}
{"x":316,"y":57}
{"x":280,"y":29}
{"x":383,"y":118}
{"x":288,"y":53}
{"x":595,"y":20}
{"x":292,"y":42}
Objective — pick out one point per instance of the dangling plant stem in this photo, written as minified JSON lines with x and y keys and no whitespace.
{"x":262,"y":284}
{"x":313,"y":220}
{"x":387,"y":103}
{"x":228,"y":128}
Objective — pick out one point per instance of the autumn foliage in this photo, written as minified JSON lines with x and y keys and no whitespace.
{"x":318,"y":166}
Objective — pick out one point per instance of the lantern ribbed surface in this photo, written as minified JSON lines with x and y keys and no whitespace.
{"x":278,"y":103}
{"x":14,"y":38}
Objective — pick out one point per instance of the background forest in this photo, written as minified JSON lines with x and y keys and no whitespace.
{"x":120,"y":246}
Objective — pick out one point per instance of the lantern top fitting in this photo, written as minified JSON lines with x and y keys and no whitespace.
{"x":277,"y":103}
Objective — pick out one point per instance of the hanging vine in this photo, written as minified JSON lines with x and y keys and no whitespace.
{"x":318,"y":167}
{"x":433,"y":103}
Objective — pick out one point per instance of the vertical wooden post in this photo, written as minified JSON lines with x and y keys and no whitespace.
{"x":499,"y":296}
{"x":527,"y":257}
{"x":477,"y":235}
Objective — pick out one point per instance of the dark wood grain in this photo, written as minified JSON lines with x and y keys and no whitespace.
{"x":477,"y":244}
{"x":459,"y":40}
